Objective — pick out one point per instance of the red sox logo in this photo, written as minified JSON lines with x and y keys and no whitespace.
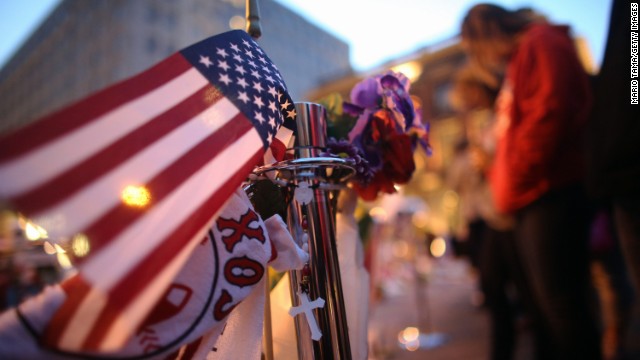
{"x":240,"y":229}
{"x":220,"y":273}
{"x":238,"y":271}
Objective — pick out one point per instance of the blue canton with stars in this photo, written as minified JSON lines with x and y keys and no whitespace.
{"x":235,"y":64}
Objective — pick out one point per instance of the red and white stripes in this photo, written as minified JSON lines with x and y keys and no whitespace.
{"x":168,"y":131}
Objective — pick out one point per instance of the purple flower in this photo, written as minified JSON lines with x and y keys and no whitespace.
{"x":344,"y":149}
{"x":387,"y":127}
{"x":389,"y":91}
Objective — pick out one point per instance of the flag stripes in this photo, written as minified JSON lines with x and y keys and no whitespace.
{"x":162,"y":239}
{"x":34,"y":165}
{"x":162,"y":184}
{"x":64,"y":121}
{"x":68,"y":182}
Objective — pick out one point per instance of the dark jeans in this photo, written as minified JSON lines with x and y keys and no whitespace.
{"x":552,"y":239}
{"x":500,"y":272}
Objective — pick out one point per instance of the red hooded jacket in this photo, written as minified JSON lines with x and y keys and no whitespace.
{"x":543,"y":107}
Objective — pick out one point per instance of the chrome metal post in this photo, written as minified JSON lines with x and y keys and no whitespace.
{"x":324,"y":268}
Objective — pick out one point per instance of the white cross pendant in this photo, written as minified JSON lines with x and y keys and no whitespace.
{"x":307,"y":307}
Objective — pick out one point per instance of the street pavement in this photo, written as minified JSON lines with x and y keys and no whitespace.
{"x":450,"y":325}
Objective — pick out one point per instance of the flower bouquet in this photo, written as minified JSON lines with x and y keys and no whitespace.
{"x":379,"y":129}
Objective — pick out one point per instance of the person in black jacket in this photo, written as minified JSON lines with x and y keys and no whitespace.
{"x":613,"y":138}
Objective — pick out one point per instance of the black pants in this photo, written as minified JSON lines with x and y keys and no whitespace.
{"x":552,"y":240}
{"x":505,"y":289}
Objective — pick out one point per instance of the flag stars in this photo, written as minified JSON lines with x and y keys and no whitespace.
{"x":242,"y":82}
{"x":225,"y":79}
{"x":222,"y":52}
{"x":243,"y":70}
{"x":257,"y":100}
{"x":273,"y":107}
{"x":259,"y":117}
{"x":204,"y":60}
{"x":242,"y":96}
{"x":256,"y":74}
{"x":258,"y":87}
{"x":285,"y":105}
{"x":223,"y":65}
{"x":240,"y":69}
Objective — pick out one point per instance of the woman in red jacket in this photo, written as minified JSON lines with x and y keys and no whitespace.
{"x":537,"y":171}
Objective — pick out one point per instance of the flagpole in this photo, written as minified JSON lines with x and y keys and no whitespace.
{"x":253,"y":19}
{"x":268,"y":327}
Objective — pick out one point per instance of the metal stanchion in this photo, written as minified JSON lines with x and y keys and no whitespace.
{"x":322,"y":277}
{"x":324,"y":269}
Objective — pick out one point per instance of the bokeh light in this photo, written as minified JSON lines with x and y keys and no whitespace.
{"x":412,"y":70}
{"x":80,"y":245}
{"x":438,"y":247}
{"x":379,"y":214}
{"x":136,"y":196}
{"x":409,"y":338}
{"x":34,"y":232}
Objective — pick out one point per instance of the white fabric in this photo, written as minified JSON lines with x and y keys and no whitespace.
{"x":283,"y":327}
{"x":242,"y":336}
{"x":290,"y":256}
{"x":355,"y":282}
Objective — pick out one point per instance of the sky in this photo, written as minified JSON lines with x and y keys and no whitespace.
{"x":376,"y":30}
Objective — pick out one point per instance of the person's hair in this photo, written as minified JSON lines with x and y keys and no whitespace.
{"x":474,"y":88}
{"x":493,"y":22}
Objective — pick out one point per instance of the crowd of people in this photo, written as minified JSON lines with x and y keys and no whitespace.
{"x":546,"y":178}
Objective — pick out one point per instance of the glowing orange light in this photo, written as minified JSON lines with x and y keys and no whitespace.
{"x":80,"y":245}
{"x":438,"y":247}
{"x":379,"y":213}
{"x":136,"y":196}
{"x":410,"y":338}
{"x":412,"y":70}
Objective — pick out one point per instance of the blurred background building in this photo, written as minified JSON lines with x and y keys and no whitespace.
{"x":84,"y":46}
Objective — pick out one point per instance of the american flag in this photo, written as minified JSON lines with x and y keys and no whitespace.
{"x":141,"y":169}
